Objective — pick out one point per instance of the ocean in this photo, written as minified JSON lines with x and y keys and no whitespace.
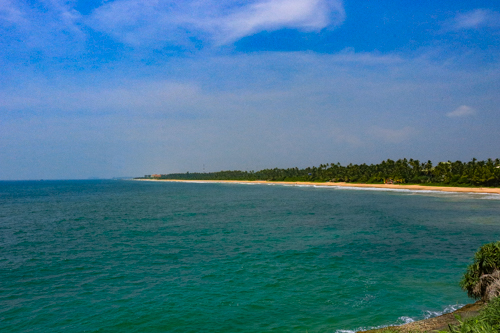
{"x":130,"y":256}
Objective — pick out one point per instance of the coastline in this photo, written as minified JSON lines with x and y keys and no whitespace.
{"x":479,"y":190}
{"x":433,"y":324}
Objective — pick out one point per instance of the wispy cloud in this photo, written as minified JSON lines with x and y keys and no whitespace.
{"x":51,"y":25}
{"x":221,"y":22}
{"x":462,"y":111}
{"x":10,"y":14}
{"x":244,"y":111}
{"x":475,"y":19}
{"x":139,"y":98}
{"x":393,"y":135}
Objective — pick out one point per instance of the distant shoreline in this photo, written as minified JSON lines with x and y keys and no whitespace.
{"x":480,"y":190}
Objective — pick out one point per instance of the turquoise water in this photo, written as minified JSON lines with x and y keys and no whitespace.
{"x":127,"y":256}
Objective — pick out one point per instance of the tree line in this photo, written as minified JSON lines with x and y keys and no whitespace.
{"x":404,"y":171}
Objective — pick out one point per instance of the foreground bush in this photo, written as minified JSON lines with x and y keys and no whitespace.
{"x":482,"y":278}
{"x":488,"y":320}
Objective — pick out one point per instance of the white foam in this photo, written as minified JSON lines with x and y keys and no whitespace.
{"x":491,"y":197}
{"x":362,"y":329}
{"x":448,"y":309}
{"x":405,"y":190}
{"x":406,"y":320}
{"x":474,"y":195}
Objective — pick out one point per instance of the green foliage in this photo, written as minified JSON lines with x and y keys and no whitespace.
{"x":488,"y":320}
{"x":473,"y":173}
{"x":491,"y":313}
{"x":486,"y":262}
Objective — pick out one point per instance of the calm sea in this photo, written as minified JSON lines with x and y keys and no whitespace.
{"x":128,"y":256}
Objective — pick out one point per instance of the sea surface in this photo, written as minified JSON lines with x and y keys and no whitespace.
{"x":130,"y":256}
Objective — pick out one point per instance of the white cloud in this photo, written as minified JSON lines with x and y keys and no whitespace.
{"x":222,"y":22}
{"x":306,"y":15}
{"x":462,"y":111}
{"x":475,"y":19}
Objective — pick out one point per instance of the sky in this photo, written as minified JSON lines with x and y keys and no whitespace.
{"x":127,"y":87}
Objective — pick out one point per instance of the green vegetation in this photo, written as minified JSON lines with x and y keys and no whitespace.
{"x":488,"y":320}
{"x":473,"y":173}
{"x":482,"y":278}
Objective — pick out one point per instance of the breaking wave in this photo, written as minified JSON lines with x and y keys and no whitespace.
{"x":406,"y":320}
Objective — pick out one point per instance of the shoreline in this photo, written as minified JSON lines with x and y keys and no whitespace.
{"x":478,"y":190}
{"x":433,"y":324}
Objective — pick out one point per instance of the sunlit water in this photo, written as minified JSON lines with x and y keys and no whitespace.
{"x":128,"y":256}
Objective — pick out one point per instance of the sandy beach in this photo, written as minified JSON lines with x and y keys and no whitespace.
{"x":485,"y":190}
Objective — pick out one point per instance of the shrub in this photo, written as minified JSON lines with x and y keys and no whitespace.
{"x":488,"y":320}
{"x":482,"y":277}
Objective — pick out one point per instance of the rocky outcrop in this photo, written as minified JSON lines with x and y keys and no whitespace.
{"x":488,"y":286}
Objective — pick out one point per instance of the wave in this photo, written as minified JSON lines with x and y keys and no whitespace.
{"x":487,"y":196}
{"x":448,"y":309}
{"x":472,"y":195}
{"x":491,"y":197}
{"x":406,"y":320}
{"x":356,"y":188}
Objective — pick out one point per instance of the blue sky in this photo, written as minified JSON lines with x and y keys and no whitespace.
{"x":128,"y":87}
